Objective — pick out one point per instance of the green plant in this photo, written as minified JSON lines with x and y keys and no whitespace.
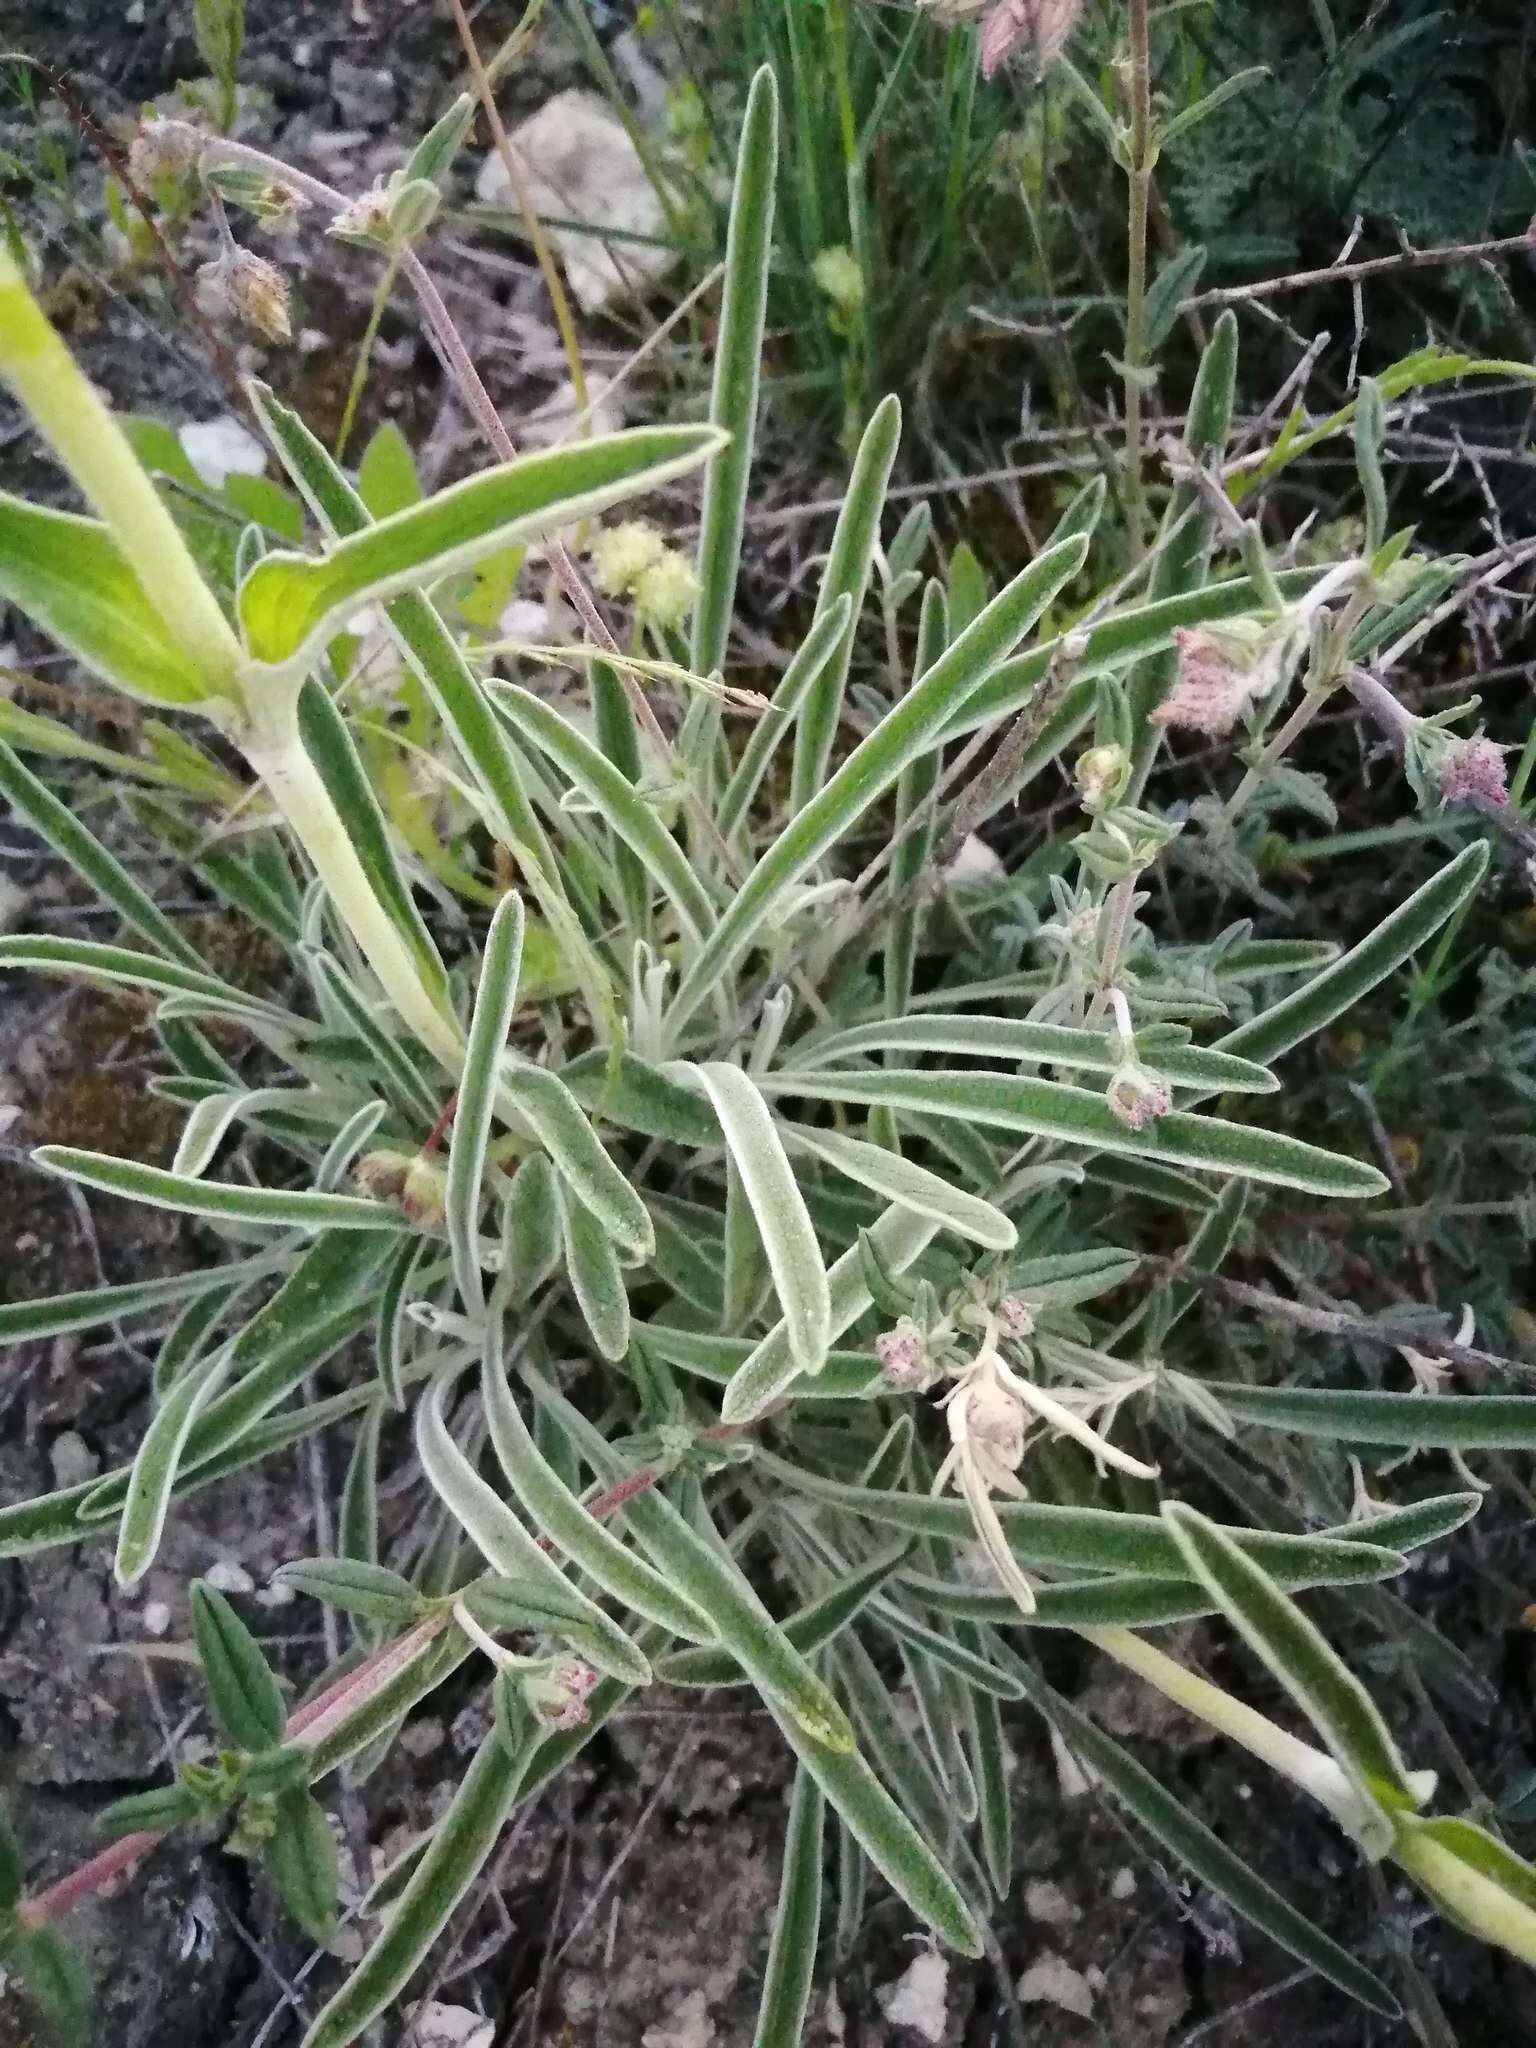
{"x":813,"y":1158}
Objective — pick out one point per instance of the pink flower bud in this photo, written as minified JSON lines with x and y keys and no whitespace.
{"x":1210,"y":689}
{"x":1044,"y":25}
{"x":1474,"y":768}
{"x":1017,"y":1316}
{"x":903,"y":1356}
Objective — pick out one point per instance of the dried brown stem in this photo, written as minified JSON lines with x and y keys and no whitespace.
{"x":1370,"y":266}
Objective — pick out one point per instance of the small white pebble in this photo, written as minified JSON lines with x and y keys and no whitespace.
{"x":219,"y":449}
{"x":72,"y":1459}
{"x":1123,"y":1883}
{"x":229,"y":1577}
{"x":1051,"y":1981}
{"x":156,"y":1618}
{"x":1049,"y":1904}
{"x":278,"y":1594}
{"x":917,"y":1998}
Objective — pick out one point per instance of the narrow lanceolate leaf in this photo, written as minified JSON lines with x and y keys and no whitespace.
{"x":747,"y":1277}
{"x":624,"y":809}
{"x":1312,"y":1007}
{"x":304,"y":1859}
{"x":507,"y":1546}
{"x":1058,"y":1045}
{"x":810,"y":1628}
{"x":563,"y":1130}
{"x":70,"y":577}
{"x":156,"y":1463}
{"x":818,"y":647}
{"x":788,"y":1234}
{"x":738,"y":359}
{"x":796,"y":1923}
{"x":355,"y":1586}
{"x":1050,"y":1109}
{"x":122,"y":966}
{"x":596,"y":1276}
{"x":52,"y":1975}
{"x":1276,"y":1630}
{"x":706,"y":1574}
{"x":21,"y":1321}
{"x":530,"y":1228}
{"x":495,"y":1000}
{"x":390,"y":1323}
{"x":456,"y":1852}
{"x":1168,"y":1820}
{"x":241,"y":1689}
{"x":100,"y":870}
{"x":553,"y":1508}
{"x":887,"y":1837}
{"x":274,"y":1207}
{"x":849,"y":564}
{"x":914,"y":1187}
{"x":900,"y":1236}
{"x":290,"y":603}
{"x":1459,"y":1422}
{"x":915,"y":823}
{"x":905,"y":732}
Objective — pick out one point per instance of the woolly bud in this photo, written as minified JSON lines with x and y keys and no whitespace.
{"x":364,"y":219}
{"x":258,"y":292}
{"x":1210,"y":688}
{"x":1018,"y":1318}
{"x":162,"y":150}
{"x":418,"y":1184}
{"x":1137,"y":1096}
{"x":1044,"y":25}
{"x":1474,"y":768}
{"x":994,"y":1421}
{"x":557,"y":1692}
{"x":903,"y":1356}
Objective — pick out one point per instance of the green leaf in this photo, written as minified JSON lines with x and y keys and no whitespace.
{"x":1450,"y":1422}
{"x":1475,"y":1878}
{"x":1173,"y":284}
{"x":826,"y":636}
{"x":495,"y":1000}
{"x":597,"y":1278}
{"x":54,"y":1978}
{"x":638,"y":1096}
{"x":305,"y":1863}
{"x":386,"y":476}
{"x":456,"y":1852}
{"x":1168,"y":1820}
{"x":220,"y":29}
{"x":530,"y":1228}
{"x":738,"y":357}
{"x":1005,"y":1038}
{"x":583,"y":1165}
{"x":23,"y":1321}
{"x":847,"y":1375}
{"x":914,"y":1187}
{"x":809,"y":1629}
{"x":907,"y":731}
{"x":1190,"y":116}
{"x":156,"y":1463}
{"x":1049,"y":1109}
{"x":788,"y":1235}
{"x":68,"y":575}
{"x":625,"y":810}
{"x":13,"y":1868}
{"x":552,"y":1507}
{"x":273,"y":1208}
{"x":507,"y":1546}
{"x":353,"y":1585}
{"x":291,"y":604}
{"x":849,"y":564}
{"x":1311,"y":1008}
{"x":242,"y":1692}
{"x":1276,"y":1630}
{"x":796,"y":1922}
{"x":33,"y":733}
{"x":120,"y":964}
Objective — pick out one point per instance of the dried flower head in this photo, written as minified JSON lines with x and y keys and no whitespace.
{"x":994,"y":1419}
{"x":665,"y":592}
{"x":1474,"y":768}
{"x":162,"y":151}
{"x":1041,"y":25}
{"x":1137,"y":1096}
{"x":557,"y":1692}
{"x":418,"y":1184}
{"x":247,"y":286}
{"x":1016,"y":1315}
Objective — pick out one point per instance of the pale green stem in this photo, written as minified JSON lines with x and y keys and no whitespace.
{"x":88,"y":441}
{"x":279,"y":758}
{"x":1139,"y":173}
{"x":1476,"y":1900}
{"x":1310,"y":1768}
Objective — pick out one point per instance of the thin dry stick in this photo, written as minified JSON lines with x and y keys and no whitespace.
{"x":1354,"y":273}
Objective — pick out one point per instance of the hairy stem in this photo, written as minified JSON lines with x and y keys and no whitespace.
{"x":1139,"y":174}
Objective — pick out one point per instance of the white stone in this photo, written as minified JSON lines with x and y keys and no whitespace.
{"x":219,"y":449}
{"x":689,"y":2026}
{"x":1073,"y":1778}
{"x":580,"y":165}
{"x":1051,"y":1981}
{"x":974,"y":863}
{"x":156,"y":1617}
{"x":13,"y":901}
{"x":451,"y":2026}
{"x":1049,"y":1904}
{"x":226,"y":1576}
{"x":917,"y":1997}
{"x":1123,"y":1883}
{"x":72,"y":1459}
